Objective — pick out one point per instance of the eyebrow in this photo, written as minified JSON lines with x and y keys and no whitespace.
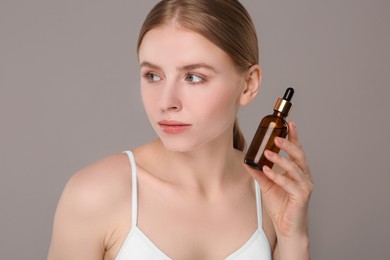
{"x":197,"y":66}
{"x":183,"y":68}
{"x":149,"y":65}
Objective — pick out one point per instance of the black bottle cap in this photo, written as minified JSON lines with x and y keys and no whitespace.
{"x":283,"y":105}
{"x":288,"y":94}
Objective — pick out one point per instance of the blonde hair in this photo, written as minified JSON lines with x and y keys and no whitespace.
{"x":226,"y":23}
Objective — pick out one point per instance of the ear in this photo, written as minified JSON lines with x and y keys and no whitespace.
{"x":252,"y":85}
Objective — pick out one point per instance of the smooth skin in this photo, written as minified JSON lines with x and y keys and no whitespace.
{"x":196,"y":196}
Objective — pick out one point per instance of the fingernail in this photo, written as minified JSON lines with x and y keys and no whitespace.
{"x":293,"y":124}
{"x":279,"y":140}
{"x":266,"y":168}
{"x":268,"y":153}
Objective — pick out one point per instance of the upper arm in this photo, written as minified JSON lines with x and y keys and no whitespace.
{"x":76,"y":231}
{"x":86,"y":211}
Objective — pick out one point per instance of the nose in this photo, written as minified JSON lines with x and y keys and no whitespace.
{"x":170,"y":98}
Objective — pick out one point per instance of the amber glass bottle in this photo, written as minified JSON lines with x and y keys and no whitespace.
{"x":270,"y":127}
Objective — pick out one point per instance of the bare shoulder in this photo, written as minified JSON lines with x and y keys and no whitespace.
{"x":101,"y":181}
{"x":98,"y":186}
{"x":89,"y":208}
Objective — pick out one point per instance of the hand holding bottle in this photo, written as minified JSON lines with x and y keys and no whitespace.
{"x":286,"y":195}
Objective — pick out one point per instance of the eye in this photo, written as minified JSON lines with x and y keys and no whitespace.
{"x":151,"y":77}
{"x":193,"y":78}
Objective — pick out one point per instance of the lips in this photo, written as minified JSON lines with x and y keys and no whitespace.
{"x":173,"y":127}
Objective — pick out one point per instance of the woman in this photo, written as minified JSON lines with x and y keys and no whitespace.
{"x":188,"y":195}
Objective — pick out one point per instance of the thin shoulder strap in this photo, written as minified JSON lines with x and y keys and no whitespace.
{"x":134,"y":193}
{"x":258,"y":205}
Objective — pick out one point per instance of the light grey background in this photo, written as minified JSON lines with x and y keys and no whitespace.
{"x":69,"y":96}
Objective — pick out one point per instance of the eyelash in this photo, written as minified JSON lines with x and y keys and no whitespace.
{"x":149,"y":77}
{"x":201,"y":79}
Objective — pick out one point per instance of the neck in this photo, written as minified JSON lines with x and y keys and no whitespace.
{"x":206,"y":169}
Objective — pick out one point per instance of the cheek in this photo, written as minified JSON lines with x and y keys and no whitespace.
{"x":149,"y":99}
{"x":220,"y":106}
{"x":149,"y":109}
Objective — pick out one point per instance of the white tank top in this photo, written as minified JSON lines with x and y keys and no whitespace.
{"x":138,"y":246}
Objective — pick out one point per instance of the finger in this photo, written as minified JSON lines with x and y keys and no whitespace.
{"x":282,"y":180}
{"x":293,"y":138}
{"x":293,"y":134}
{"x":294,"y":148}
{"x":296,"y":153}
{"x":289,"y":166}
{"x":264,"y":182}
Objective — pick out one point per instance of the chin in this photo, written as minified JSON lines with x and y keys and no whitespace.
{"x":189,"y":142}
{"x":178,"y":146}
{"x":183,"y":145}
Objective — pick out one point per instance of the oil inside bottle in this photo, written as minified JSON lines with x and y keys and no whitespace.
{"x":270,"y":127}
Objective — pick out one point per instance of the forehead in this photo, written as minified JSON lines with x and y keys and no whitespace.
{"x":171,"y":43}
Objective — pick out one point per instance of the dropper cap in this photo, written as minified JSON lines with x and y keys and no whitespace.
{"x":283,"y":105}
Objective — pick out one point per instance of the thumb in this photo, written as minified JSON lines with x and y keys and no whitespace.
{"x":264,"y":182}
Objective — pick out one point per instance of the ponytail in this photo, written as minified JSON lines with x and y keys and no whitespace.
{"x":238,"y":138}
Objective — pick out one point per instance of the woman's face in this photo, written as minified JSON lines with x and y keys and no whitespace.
{"x":189,"y":86}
